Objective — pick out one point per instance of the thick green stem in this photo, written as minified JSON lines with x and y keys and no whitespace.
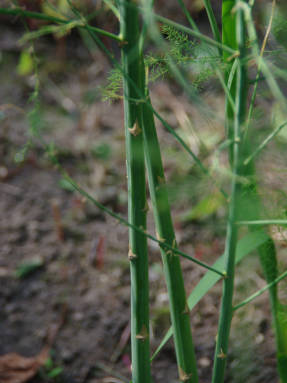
{"x":172,"y":269}
{"x":131,"y":59}
{"x":229,"y":39}
{"x":231,"y":238}
{"x":178,"y":304}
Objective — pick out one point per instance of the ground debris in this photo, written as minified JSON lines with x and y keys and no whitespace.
{"x":15,"y":368}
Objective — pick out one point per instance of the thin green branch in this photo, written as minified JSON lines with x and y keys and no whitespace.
{"x":112,"y":8}
{"x":187,"y":15}
{"x":263,"y":222}
{"x":254,"y":93}
{"x":261,"y":291}
{"x":264,"y":143}
{"x":119,"y":218}
{"x":270,"y":79}
{"x":57,"y":20}
{"x":123,"y":221}
{"x":212,"y":21}
{"x":226,"y":88}
{"x":217,"y":37}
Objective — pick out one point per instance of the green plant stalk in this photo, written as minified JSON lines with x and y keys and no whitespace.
{"x":216,"y":35}
{"x":252,"y":206}
{"x":187,"y":15}
{"x":264,"y":143}
{"x":254,"y":93}
{"x":177,"y":297}
{"x":249,"y":200}
{"x":259,"y":292}
{"x":131,"y":59}
{"x":212,"y":20}
{"x":229,"y":39}
{"x":184,"y":348}
{"x":268,"y":259}
{"x":243,"y":247}
{"x":225,"y":317}
{"x":263,"y":222}
{"x":193,"y":96}
{"x":261,"y":63}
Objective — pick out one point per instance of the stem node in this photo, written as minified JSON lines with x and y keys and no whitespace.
{"x":183,"y":376}
{"x":143,"y":334}
{"x":131,"y":255}
{"x":135,"y":130}
{"x":186,"y":309}
{"x":221,"y":355}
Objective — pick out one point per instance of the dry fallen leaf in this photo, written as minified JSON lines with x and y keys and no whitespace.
{"x":15,"y":368}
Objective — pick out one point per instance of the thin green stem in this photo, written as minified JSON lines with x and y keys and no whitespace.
{"x":57,"y":20}
{"x":226,"y":89}
{"x":254,"y":93}
{"x":187,"y":15}
{"x":115,"y":11}
{"x":212,"y":21}
{"x":231,"y":237}
{"x":261,"y":63}
{"x":229,"y":39}
{"x":123,"y":221}
{"x":260,"y":292}
{"x":216,"y":36}
{"x":263,"y":222}
{"x":264,"y":143}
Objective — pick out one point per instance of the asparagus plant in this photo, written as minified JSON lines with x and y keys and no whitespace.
{"x":131,"y":60}
{"x":142,"y":147}
{"x":235,"y":134}
{"x":165,"y":232}
{"x":173,"y":275}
